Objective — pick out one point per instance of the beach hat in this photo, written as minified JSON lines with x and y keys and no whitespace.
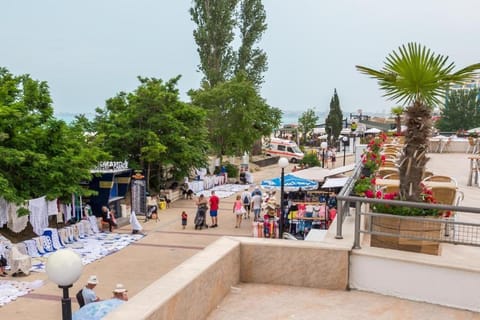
{"x":119,"y":288}
{"x":92,"y":280}
{"x":246,"y":188}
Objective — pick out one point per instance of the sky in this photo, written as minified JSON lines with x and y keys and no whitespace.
{"x":90,"y":50}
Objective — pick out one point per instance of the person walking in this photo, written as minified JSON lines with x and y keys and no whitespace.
{"x":256,"y":205}
{"x":202,"y":207}
{"x":214,"y":203}
{"x":184,"y":219}
{"x":246,"y":199}
{"x":238,"y":210}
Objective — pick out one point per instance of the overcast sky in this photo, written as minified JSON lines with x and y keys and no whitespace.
{"x":90,"y":50}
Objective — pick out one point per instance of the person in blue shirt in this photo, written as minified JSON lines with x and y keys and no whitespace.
{"x":88,"y":294}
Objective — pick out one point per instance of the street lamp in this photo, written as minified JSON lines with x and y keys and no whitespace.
{"x":282,"y":163}
{"x":324,"y":146}
{"x":64,"y":267}
{"x":345,"y":144}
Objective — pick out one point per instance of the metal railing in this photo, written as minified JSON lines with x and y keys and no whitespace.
{"x":445,"y":230}
{"x":343,"y":206}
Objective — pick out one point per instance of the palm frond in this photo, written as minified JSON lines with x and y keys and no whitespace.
{"x":415,"y":73}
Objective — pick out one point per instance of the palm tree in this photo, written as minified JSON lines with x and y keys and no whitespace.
{"x":416,"y":77}
{"x":397,"y":112}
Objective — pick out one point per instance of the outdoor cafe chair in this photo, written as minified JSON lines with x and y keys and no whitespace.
{"x":440,"y":178}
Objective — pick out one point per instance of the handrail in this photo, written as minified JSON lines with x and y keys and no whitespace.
{"x":343,"y":206}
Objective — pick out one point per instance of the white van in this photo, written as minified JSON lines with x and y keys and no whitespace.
{"x":283,"y":148}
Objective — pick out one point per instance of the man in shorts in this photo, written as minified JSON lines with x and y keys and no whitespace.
{"x":214,"y":202}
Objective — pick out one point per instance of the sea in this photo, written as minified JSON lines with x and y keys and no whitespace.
{"x":289,"y":117}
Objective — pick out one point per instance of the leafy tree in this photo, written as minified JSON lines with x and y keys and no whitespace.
{"x":252,"y":60}
{"x":237,"y":115}
{"x":397,"y":112}
{"x":333,"y":123}
{"x":461,"y":111}
{"x":307,"y":122}
{"x":154,"y":130}
{"x":416,"y":76}
{"x":215,"y":20}
{"x":40,"y":155}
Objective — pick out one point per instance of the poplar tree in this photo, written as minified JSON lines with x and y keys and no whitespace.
{"x":333,"y":123}
{"x":251,"y":59}
{"x":215,"y":20}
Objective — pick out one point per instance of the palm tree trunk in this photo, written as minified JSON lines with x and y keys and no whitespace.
{"x":414,"y":158}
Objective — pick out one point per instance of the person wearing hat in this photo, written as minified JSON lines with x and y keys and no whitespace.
{"x":120,"y":292}
{"x":88,"y":294}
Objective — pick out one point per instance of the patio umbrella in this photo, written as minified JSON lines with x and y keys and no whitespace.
{"x":291,"y":183}
{"x":96,"y":310}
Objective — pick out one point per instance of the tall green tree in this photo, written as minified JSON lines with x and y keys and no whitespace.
{"x":419,"y":78}
{"x":237,"y":115}
{"x":40,"y":155}
{"x":333,"y":123}
{"x":307,"y":122}
{"x":252,"y":24}
{"x":215,"y":20}
{"x":461,"y":110}
{"x":152,"y":129}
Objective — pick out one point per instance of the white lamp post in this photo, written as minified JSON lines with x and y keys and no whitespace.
{"x":324,"y":146}
{"x":344,"y":141}
{"x":282,"y":163}
{"x":64,"y":267}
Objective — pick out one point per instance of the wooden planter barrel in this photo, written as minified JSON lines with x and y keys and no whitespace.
{"x":397,"y":226}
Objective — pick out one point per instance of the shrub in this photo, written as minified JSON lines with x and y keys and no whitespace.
{"x":310,"y":160}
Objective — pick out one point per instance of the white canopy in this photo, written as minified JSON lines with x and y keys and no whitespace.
{"x":334,"y":182}
{"x":319,"y":174}
{"x":373,"y":130}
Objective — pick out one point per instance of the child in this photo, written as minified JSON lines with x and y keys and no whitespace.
{"x":184,"y":219}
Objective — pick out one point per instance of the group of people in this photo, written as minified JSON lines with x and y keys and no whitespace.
{"x":203,"y":204}
{"x":242,"y":207}
{"x":91,"y":306}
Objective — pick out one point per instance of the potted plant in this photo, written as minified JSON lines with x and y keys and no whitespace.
{"x":418,"y":78}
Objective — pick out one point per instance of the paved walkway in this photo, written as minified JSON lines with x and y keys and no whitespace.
{"x":167,"y":245}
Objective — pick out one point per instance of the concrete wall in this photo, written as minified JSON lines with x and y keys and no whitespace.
{"x":293,"y":263}
{"x":190,"y":291}
{"x":403,"y":277}
{"x":197,"y":286}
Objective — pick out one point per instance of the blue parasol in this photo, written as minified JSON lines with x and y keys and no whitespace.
{"x":291,"y":183}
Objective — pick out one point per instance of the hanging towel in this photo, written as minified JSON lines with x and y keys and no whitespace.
{"x":16,"y":223}
{"x":52,"y":208}
{"x":38,"y":214}
{"x":3,"y":211}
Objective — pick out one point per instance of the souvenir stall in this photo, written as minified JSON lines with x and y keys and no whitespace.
{"x":111,"y":180}
{"x":294,"y":186}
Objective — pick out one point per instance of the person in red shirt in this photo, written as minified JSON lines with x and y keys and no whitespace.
{"x":214,"y":202}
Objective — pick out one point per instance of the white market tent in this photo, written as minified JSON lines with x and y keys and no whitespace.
{"x":319,"y":174}
{"x":373,"y":130}
{"x":334,"y":182}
